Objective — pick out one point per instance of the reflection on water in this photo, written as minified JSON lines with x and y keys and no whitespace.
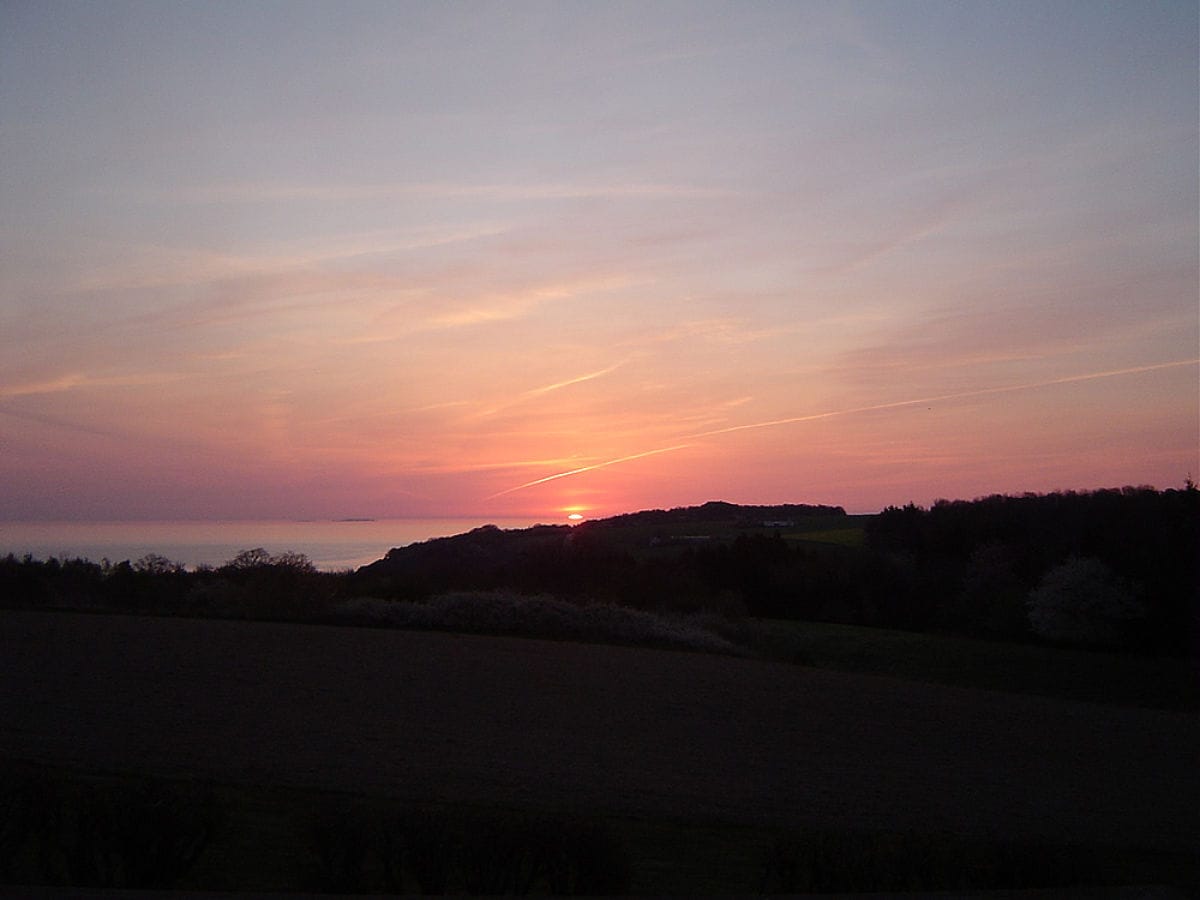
{"x":330,"y":545}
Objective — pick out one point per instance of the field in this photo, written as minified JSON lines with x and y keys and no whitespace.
{"x":1066,"y":673}
{"x":641,"y":538}
{"x":703,"y":767}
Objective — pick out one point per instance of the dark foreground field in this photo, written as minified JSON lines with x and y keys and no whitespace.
{"x":723,"y":751}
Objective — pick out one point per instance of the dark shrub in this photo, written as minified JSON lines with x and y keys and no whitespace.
{"x":891,"y":862}
{"x":430,"y":848}
{"x":501,"y":855}
{"x":29,"y":820}
{"x":340,"y":834}
{"x":498,"y":853}
{"x":139,"y":835}
{"x":584,"y":857}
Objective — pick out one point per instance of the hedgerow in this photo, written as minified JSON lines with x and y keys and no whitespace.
{"x":500,"y":612}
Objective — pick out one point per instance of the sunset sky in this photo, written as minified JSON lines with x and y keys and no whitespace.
{"x":299,"y":260}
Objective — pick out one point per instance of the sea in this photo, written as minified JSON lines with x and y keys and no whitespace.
{"x":330,"y":545}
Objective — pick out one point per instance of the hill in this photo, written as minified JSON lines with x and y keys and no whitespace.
{"x":1115,"y":568}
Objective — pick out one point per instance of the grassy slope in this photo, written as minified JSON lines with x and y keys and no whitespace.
{"x":1069,"y":674}
{"x":1094,"y":676}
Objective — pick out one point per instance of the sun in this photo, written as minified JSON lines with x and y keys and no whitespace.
{"x":575,"y":513}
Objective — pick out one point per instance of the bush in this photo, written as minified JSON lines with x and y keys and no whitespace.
{"x":427,"y":843}
{"x":340,"y":836}
{"x":29,"y":820}
{"x":141,"y":835}
{"x":480,"y":852}
{"x":902,"y":862}
{"x":1082,"y":602}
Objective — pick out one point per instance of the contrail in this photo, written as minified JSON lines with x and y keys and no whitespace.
{"x":582,"y":469}
{"x":959,"y":395}
{"x":533,"y":392}
{"x":898,"y":404}
{"x":547,"y":388}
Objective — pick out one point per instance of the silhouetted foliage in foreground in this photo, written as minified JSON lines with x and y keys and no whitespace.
{"x":136,"y":834}
{"x":358,"y":846}
{"x":985,"y":559}
{"x":63,"y":830}
{"x":254,"y":584}
{"x":813,"y":861}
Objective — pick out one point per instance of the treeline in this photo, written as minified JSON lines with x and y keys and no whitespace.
{"x":1115,"y":568}
{"x":254,"y":584}
{"x":1111,"y":568}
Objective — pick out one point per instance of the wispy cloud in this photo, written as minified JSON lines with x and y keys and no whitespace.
{"x":351,"y":260}
{"x":431,"y":407}
{"x":921,"y":226}
{"x":956,"y":395}
{"x":515,"y":304}
{"x":990,"y":339}
{"x":433,"y":308}
{"x":50,"y":386}
{"x":78,"y":381}
{"x":70,"y":427}
{"x":727,"y":329}
{"x":506,"y":192}
{"x":544,"y":389}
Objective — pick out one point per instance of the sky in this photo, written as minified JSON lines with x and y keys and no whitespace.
{"x":298,"y":260}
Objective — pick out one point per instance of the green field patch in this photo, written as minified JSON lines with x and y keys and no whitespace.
{"x":647,"y":540}
{"x":844,"y":537}
{"x":1088,"y":675}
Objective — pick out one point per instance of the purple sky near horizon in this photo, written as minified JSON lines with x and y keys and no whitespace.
{"x":301,"y":259}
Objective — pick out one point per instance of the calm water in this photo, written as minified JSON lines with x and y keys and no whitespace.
{"x":330,"y":545}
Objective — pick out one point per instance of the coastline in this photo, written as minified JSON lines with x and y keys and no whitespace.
{"x":331,"y":545}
